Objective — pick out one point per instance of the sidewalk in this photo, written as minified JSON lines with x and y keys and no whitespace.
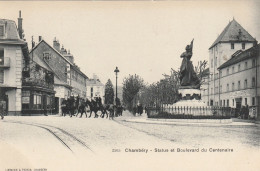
{"x":129,"y":117}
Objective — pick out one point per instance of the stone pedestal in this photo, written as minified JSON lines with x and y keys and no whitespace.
{"x":189,"y":94}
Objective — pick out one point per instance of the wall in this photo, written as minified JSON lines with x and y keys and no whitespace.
{"x":223,"y":52}
{"x":13,"y":76}
{"x":56,"y":62}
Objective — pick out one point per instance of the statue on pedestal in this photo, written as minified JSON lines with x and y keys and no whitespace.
{"x":188,"y":77}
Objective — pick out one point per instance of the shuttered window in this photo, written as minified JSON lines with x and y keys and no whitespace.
{"x":1,"y":30}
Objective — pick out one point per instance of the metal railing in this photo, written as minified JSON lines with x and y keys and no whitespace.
{"x":186,"y":112}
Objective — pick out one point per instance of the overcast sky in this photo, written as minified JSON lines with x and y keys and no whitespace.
{"x":144,"y":38}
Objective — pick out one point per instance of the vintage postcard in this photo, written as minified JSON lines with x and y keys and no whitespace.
{"x":129,"y":85}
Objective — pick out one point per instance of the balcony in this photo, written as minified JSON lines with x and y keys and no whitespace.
{"x":5,"y":62}
{"x":36,"y":82}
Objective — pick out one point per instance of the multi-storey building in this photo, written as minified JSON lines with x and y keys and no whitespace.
{"x":95,"y":88}
{"x":238,"y":81}
{"x":68,"y":79}
{"x":233,"y":38}
{"x":25,"y":87}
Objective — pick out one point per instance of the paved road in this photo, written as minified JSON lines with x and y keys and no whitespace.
{"x":64,"y":143}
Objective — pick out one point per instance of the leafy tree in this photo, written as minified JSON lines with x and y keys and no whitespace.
{"x":109,"y":92}
{"x":131,"y":86}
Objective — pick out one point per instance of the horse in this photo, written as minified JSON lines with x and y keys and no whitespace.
{"x":119,"y":110}
{"x":93,"y":107}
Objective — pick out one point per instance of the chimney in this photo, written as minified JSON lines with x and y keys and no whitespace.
{"x":56,"y":44}
{"x":40,"y":38}
{"x":20,"y":25}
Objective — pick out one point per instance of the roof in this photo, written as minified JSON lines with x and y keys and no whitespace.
{"x":93,"y":82}
{"x":239,"y":56}
{"x":233,"y":32}
{"x":73,"y":65}
{"x":11,"y":34}
{"x":11,"y":37}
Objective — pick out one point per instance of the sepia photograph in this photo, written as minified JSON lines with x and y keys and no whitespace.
{"x":129,"y":85}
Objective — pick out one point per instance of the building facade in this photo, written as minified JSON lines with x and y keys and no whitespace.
{"x":238,"y":81}
{"x":68,"y":79}
{"x":233,"y":38}
{"x":25,"y":87}
{"x":95,"y":88}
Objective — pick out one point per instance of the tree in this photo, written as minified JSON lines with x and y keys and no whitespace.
{"x":131,"y":86}
{"x":109,"y":92}
{"x":201,"y":70}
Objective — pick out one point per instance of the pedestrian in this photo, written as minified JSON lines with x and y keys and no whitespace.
{"x":2,"y":110}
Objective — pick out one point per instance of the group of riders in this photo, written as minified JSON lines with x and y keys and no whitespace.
{"x":73,"y":106}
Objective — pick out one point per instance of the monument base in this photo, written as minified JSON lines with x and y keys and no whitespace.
{"x":190,"y":104}
{"x":190,"y":94}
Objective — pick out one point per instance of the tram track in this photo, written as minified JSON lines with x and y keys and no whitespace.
{"x":67,"y":139}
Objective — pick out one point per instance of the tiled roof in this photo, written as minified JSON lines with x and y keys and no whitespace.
{"x":73,"y":65}
{"x":10,"y":33}
{"x":92,"y":82}
{"x":233,"y":32}
{"x":241,"y":56}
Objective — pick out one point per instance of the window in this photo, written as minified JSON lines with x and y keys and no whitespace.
{"x":233,"y":102}
{"x":253,"y":101}
{"x":216,"y":61}
{"x":245,"y":83}
{"x":253,"y":63}
{"x":211,"y":63}
{"x":1,"y":76}
{"x":25,"y":99}
{"x":228,"y":71}
{"x":245,"y":101}
{"x":243,"y":45}
{"x":233,"y":70}
{"x":1,"y":56}
{"x":211,"y":91}
{"x":37,"y":101}
{"x":239,"y":67}
{"x":227,"y":87}
{"x":227,"y":103}
{"x":233,"y":86}
{"x":245,"y":65}
{"x":224,"y":103}
{"x":232,"y":45}
{"x":253,"y":82}
{"x":2,"y":30}
{"x":91,"y":90}
{"x":46,"y":56}
{"x":238,"y":85}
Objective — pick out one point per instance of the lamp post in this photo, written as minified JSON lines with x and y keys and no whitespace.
{"x":116,"y":71}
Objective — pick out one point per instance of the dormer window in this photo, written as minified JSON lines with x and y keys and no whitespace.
{"x":2,"y":30}
{"x":46,"y":56}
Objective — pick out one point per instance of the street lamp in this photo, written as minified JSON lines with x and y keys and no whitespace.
{"x":116,"y":71}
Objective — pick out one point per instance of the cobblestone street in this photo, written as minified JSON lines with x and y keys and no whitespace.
{"x":79,"y":143}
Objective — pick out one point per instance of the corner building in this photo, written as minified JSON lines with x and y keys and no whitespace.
{"x":232,"y":39}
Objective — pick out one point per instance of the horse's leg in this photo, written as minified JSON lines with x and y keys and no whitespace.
{"x":90,"y":113}
{"x":96,"y":115}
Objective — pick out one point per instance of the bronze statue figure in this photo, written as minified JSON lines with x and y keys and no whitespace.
{"x":188,"y":77}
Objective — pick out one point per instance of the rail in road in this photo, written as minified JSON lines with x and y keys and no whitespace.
{"x":68,"y":140}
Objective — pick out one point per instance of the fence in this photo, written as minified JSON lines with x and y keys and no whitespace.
{"x":188,"y":112}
